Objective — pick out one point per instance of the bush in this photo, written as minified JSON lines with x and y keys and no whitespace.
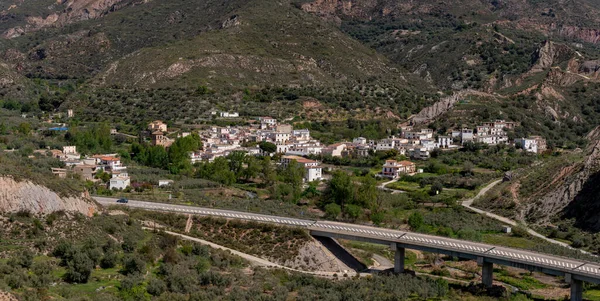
{"x":352,"y":211}
{"x":132,"y":264}
{"x":156,"y":287}
{"x":415,"y":220}
{"x":519,"y":231}
{"x":62,"y":250}
{"x":25,"y":259}
{"x":14,"y":281}
{"x":469,"y":234}
{"x":436,"y":188}
{"x":333,"y":210}
{"x":377,"y":218}
{"x":129,"y":243}
{"x":79,"y":268}
{"x":109,"y":260}
{"x":577,"y":243}
{"x":171,"y":256}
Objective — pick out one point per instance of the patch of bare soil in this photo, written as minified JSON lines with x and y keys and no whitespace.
{"x":564,"y":172}
{"x":547,"y":279}
{"x":552,"y":293}
{"x":514,"y":190}
{"x":312,"y":256}
{"x":310,"y":104}
{"x":4,"y":296}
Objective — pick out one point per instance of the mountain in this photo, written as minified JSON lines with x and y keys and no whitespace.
{"x":153,"y":42}
{"x":88,"y":35}
{"x":442,"y":64}
{"x":464,"y":43}
{"x":501,"y":56}
{"x":284,"y":47}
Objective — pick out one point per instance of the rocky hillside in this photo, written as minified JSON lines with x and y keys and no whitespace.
{"x":27,"y":184}
{"x":247,"y":51}
{"x":18,"y":196}
{"x":12,"y":84}
{"x":560,"y":188}
{"x":462,"y":43}
{"x":178,"y":42}
{"x":26,"y":16}
{"x":568,"y":190}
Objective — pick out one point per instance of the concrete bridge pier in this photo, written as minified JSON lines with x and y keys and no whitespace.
{"x":487,"y":272}
{"x":398,"y":258}
{"x":576,"y":287}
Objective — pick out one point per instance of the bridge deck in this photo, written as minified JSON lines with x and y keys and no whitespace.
{"x":554,"y":265}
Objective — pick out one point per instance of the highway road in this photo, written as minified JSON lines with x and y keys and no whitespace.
{"x":554,"y":265}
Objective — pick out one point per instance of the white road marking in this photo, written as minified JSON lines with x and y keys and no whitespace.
{"x":579,"y":267}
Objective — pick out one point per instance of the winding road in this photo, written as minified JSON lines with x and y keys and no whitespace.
{"x":392,"y":191}
{"x":469,"y":204}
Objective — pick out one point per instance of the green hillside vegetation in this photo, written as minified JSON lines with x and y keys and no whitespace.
{"x":112,"y":258}
{"x":38,"y":171}
{"x":303,"y":50}
{"x":100,"y":41}
{"x":568,"y":133}
{"x":462,"y":44}
{"x":454,"y":52}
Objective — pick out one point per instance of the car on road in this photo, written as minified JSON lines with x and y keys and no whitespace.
{"x":123,"y":200}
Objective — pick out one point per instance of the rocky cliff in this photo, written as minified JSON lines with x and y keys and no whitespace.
{"x":589,"y":35}
{"x":575,"y":193}
{"x":550,"y":54}
{"x":444,"y":105}
{"x":27,"y":196}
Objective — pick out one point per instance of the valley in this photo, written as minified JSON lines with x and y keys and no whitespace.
{"x":413,"y":116}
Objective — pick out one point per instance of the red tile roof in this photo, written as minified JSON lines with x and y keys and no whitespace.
{"x":109,"y":159}
{"x":406,"y":163}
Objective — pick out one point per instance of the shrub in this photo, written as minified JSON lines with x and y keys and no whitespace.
{"x":14,"y":281}
{"x":156,"y":287}
{"x":436,"y":188}
{"x":352,"y":211}
{"x":129,"y":243}
{"x":109,"y":260}
{"x":25,"y":259}
{"x":64,"y":250}
{"x":377,"y":218}
{"x":469,"y":234}
{"x":332,"y":210}
{"x":79,"y":268}
{"x":132,"y":264}
{"x":415,"y":220}
{"x":577,"y":243}
{"x":171,"y":256}
{"x":519,"y":231}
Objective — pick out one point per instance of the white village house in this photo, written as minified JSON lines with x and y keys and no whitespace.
{"x":393,"y":169}
{"x":313,"y":171}
{"x":119,"y":181}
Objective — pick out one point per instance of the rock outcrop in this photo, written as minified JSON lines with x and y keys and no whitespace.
{"x":442,"y":106}
{"x":551,"y":54}
{"x":4,"y":296}
{"x":569,"y":188}
{"x":75,"y":11}
{"x":26,"y":196}
{"x":558,"y":77}
{"x":589,"y":35}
